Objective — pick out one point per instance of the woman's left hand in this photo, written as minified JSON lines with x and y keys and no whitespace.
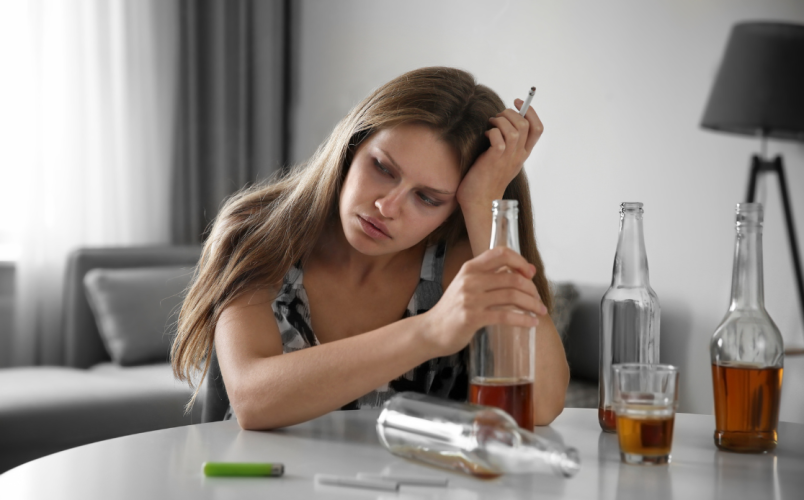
{"x":512,"y":139}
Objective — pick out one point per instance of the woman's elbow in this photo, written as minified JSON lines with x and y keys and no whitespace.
{"x":549,"y":410}
{"x":248,"y":416}
{"x":551,"y":402}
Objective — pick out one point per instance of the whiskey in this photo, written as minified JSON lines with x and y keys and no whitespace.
{"x":645,"y":435}
{"x":607,"y":419}
{"x":746,"y":406}
{"x":514,"y":397}
{"x":454,"y":460}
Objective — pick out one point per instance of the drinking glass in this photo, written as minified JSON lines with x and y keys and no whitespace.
{"x":645,"y":400}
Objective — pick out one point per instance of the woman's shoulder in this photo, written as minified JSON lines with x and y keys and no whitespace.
{"x":457,"y":254}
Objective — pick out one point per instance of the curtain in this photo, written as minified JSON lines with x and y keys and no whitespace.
{"x":100,"y":164}
{"x":232,"y":107}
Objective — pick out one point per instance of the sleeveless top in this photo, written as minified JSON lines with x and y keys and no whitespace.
{"x":444,"y":377}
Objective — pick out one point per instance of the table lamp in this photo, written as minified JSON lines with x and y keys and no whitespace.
{"x":759,"y":91}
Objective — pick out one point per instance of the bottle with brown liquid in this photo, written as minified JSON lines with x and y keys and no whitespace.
{"x":502,"y":358}
{"x":482,"y":441}
{"x":629,"y":311}
{"x":747,"y":350}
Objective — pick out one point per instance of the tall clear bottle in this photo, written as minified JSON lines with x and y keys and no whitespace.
{"x":502,"y":358}
{"x":477,"y":440}
{"x":747,"y":350}
{"x":629,"y":311}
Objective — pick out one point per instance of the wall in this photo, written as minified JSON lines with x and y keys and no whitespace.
{"x":7,"y":270}
{"x":622,"y":86}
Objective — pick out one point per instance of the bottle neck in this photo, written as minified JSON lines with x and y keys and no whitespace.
{"x":747,"y":280}
{"x":631,"y":260}
{"x":505,"y":229}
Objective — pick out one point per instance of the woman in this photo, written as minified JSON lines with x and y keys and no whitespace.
{"x":367,"y":268}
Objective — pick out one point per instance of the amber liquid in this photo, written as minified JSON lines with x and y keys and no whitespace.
{"x":746,"y":407}
{"x":607,"y":419}
{"x":449,"y":460}
{"x":645,"y":435}
{"x":514,"y":397}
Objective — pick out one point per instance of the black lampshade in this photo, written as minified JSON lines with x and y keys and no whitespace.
{"x":760,"y":84}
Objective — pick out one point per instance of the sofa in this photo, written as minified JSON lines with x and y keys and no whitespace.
{"x":108,"y":388}
{"x":46,"y":409}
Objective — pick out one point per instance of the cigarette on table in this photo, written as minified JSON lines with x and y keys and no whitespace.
{"x":528,"y":99}
{"x":409,"y":480}
{"x":352,"y":482}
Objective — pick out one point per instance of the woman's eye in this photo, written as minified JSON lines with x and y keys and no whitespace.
{"x":428,"y":200}
{"x":381,"y":168}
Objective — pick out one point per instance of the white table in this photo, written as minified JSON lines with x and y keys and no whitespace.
{"x":167,"y":465}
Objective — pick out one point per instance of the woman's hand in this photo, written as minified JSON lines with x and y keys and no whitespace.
{"x":482,"y":294}
{"x":512,"y":139}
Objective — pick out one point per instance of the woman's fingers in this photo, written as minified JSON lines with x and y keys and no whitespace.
{"x":536,"y":126}
{"x":535,"y":129}
{"x":496,"y":139}
{"x":483,"y":276}
{"x":514,"y":129}
{"x":512,"y":298}
{"x":492,"y":260}
{"x":510,"y":318}
{"x":490,"y":281}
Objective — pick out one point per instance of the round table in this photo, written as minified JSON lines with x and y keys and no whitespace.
{"x":166,"y":464}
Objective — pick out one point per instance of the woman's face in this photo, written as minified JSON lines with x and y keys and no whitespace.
{"x":400,"y":187}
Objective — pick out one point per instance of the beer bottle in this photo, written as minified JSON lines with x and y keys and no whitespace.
{"x":629,"y":311}
{"x":478,"y":440}
{"x":502,"y":357}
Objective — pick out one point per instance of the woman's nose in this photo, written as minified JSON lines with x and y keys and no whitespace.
{"x":390,"y":205}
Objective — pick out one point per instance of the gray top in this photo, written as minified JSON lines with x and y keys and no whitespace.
{"x":444,"y":377}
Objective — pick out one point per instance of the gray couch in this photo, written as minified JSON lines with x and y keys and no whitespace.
{"x":44,"y":410}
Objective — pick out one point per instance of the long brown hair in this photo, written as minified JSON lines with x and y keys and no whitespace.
{"x":263,"y":230}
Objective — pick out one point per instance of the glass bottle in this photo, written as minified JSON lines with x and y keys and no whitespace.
{"x":747,"y":351}
{"x":502,"y":358}
{"x":629,"y":311}
{"x":478,"y":440}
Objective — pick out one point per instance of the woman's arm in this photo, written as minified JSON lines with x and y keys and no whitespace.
{"x":552,"y":373}
{"x":268,"y":389}
{"x":512,"y":138}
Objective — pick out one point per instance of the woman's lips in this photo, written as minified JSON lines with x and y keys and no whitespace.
{"x":373,"y":228}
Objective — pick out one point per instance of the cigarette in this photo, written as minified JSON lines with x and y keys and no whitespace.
{"x":242,"y":469}
{"x":526,"y":104}
{"x":356,"y":483}
{"x":410,"y":480}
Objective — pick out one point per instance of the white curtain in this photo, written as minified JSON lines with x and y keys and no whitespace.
{"x":99,"y":169}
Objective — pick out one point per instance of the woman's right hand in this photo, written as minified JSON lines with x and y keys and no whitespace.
{"x":483,"y":294}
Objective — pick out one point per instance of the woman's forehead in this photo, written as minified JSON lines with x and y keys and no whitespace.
{"x":416,"y":147}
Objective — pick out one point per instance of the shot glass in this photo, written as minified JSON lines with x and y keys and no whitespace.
{"x":645,"y":398}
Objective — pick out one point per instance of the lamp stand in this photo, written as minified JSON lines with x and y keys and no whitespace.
{"x":761,"y":165}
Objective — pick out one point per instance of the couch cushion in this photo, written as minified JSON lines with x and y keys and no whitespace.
{"x":136,"y":310}
{"x":583,"y":335}
{"x":48,"y":409}
{"x":154,"y":375}
{"x":565,"y":299}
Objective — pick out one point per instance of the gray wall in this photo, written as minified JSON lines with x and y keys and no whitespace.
{"x":621,"y":89}
{"x":7,"y":271}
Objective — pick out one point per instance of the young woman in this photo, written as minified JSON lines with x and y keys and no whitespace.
{"x":366,"y":271}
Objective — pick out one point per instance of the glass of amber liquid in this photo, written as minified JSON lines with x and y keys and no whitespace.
{"x":645,"y":398}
